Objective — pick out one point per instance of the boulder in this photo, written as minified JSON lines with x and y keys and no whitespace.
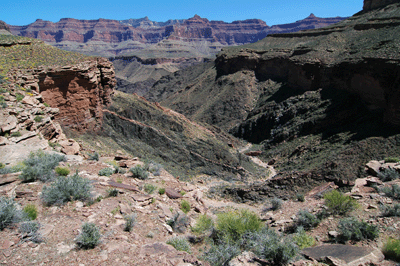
{"x":70,"y":147}
{"x":373,"y":167}
{"x":172,"y":194}
{"x":344,"y":255}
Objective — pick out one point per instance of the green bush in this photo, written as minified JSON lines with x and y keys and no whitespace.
{"x":106,"y":171}
{"x":16,"y":134}
{"x":220,"y":254}
{"x":300,"y":197}
{"x":276,"y":204}
{"x":303,"y":240}
{"x":155,"y":168}
{"x":62,"y":171}
{"x":338,"y":203}
{"x":38,"y":118}
{"x":391,"y":192}
{"x":388,"y":174}
{"x":19,"y":97}
{"x":130,"y":222}
{"x":39,"y":166}
{"x":30,"y":231}
{"x":185,"y":206}
{"x":89,"y":237}
{"x":352,"y":229}
{"x":392,"y":160}
{"x":161,"y":191}
{"x":180,"y":243}
{"x":9,"y":212}
{"x":46,"y":104}
{"x":390,"y":210}
{"x":139,"y":172}
{"x":31,"y":211}
{"x":307,"y":220}
{"x":267,"y":244}
{"x":203,"y":224}
{"x":233,"y":224}
{"x":149,"y":188}
{"x":93,"y":156}
{"x":391,"y":249}
{"x":113,"y":192}
{"x":65,"y":189}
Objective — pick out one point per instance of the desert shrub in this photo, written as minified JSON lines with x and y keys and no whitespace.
{"x":106,"y":171}
{"x":118,"y":169}
{"x":161,"y":191}
{"x":388,"y":174}
{"x":203,"y":224}
{"x":307,"y":220}
{"x":149,"y":188}
{"x":93,"y":156}
{"x":89,"y":237}
{"x":19,"y":96}
{"x":129,"y":222}
{"x":65,"y":189}
{"x":38,"y":118}
{"x":113,"y":192}
{"x":139,"y":172}
{"x":62,"y":171}
{"x":352,"y":229}
{"x":46,"y":104}
{"x":220,"y":254}
{"x":300,"y":197}
{"x":390,"y":210}
{"x":185,"y":206}
{"x":9,"y":212}
{"x":391,"y":249}
{"x":233,"y":224}
{"x":179,"y":243}
{"x":391,"y":192}
{"x":30,"y":231}
{"x":16,"y":134}
{"x":155,"y":168}
{"x":276,"y":204}
{"x":39,"y":166}
{"x":303,"y":240}
{"x":31,"y":211}
{"x":338,"y":203}
{"x":392,"y":160}
{"x":267,"y":244}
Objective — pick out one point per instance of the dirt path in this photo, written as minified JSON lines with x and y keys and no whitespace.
{"x":258,"y":161}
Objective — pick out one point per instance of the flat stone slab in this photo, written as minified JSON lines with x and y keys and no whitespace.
{"x":172,"y":194}
{"x":141,"y":197}
{"x":351,"y":255}
{"x":122,"y":186}
{"x":157,"y":248}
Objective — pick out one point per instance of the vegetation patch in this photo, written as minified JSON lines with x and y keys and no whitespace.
{"x":149,"y":188}
{"x":338,"y":203}
{"x":39,"y":166}
{"x":9,"y":212}
{"x":62,"y":171}
{"x":203,"y":224}
{"x":180,"y":243}
{"x":391,"y":249}
{"x":30,"y":231}
{"x":392,"y":191}
{"x":307,"y":220}
{"x":89,"y":237}
{"x":388,"y":174}
{"x":390,"y":210}
{"x":185,"y":206}
{"x":352,"y":229}
{"x":129,"y":222}
{"x":139,"y":172}
{"x":31,"y":211}
{"x":65,"y":189}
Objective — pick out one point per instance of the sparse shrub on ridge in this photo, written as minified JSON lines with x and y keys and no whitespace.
{"x":220,"y":254}
{"x":203,"y":224}
{"x":31,"y":211}
{"x":303,"y":240}
{"x":130,"y":222}
{"x":106,"y":171}
{"x":139,"y":172}
{"x":93,"y":156}
{"x":352,"y":229}
{"x":30,"y":231}
{"x":392,"y":160}
{"x":391,"y":249}
{"x":39,"y":166}
{"x":276,"y":204}
{"x":300,"y":197}
{"x":389,"y":211}
{"x":391,"y":192}
{"x":149,"y":188}
{"x":185,"y":206}
{"x":180,"y":243}
{"x":62,"y":171}
{"x":161,"y":191}
{"x":89,"y":237}
{"x":113,"y":192}
{"x":307,"y":220}
{"x":388,"y":174}
{"x":338,"y":203}
{"x":9,"y":212}
{"x":65,"y":189}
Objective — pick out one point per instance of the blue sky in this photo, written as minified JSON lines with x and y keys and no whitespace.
{"x":18,"y":12}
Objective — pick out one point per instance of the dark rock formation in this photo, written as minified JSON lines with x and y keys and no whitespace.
{"x":372,"y":4}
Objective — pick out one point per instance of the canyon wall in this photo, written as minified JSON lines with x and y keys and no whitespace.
{"x":79,"y":91}
{"x":372,"y":4}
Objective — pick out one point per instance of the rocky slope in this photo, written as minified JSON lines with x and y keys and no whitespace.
{"x":111,"y":37}
{"x":319,"y":100}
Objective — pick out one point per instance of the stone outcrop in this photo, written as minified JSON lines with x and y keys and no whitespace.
{"x":78,"y":91}
{"x":146,"y":32}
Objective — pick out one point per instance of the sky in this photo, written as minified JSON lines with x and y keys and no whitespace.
{"x":24,"y":12}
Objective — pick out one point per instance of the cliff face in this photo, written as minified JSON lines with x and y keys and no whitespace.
{"x":135,"y":34}
{"x":79,"y":91}
{"x":372,"y":4}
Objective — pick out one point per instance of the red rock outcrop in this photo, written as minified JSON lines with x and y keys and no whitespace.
{"x":79,"y":91}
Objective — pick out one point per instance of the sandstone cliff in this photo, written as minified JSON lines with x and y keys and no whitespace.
{"x":111,"y":37}
{"x":79,"y":91}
